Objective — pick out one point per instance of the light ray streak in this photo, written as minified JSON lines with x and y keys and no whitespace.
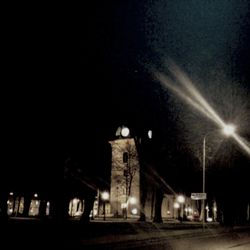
{"x":168,"y":187}
{"x":186,"y":82}
{"x":242,"y":143}
{"x":165,"y":81}
{"x":193,"y":97}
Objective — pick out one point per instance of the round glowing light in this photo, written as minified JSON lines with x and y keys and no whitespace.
{"x":209,"y":219}
{"x":125,"y":132}
{"x":134,"y":211}
{"x":180,"y":198}
{"x":229,"y":129}
{"x":176,"y":205}
{"x":36,"y":195}
{"x":132,"y":200}
{"x":105,"y":195}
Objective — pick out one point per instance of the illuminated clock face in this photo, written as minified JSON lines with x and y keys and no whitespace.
{"x":125,"y":132}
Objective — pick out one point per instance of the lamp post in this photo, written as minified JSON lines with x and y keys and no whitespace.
{"x":105,"y":197}
{"x":181,"y":200}
{"x":203,"y":181}
{"x":177,"y":207}
{"x":227,"y":130}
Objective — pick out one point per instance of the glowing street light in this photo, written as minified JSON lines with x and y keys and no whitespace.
{"x":105,"y":197}
{"x":227,"y":130}
{"x":132,"y":200}
{"x":134,"y":211}
{"x":176,"y":205}
{"x":180,"y":199}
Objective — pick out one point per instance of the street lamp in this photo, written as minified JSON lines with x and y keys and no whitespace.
{"x":132,"y":200}
{"x":176,"y":206}
{"x":130,"y":205}
{"x":105,"y":197}
{"x":227,"y":130}
{"x":181,"y":199}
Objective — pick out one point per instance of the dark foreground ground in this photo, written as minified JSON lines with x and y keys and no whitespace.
{"x":26,"y":233}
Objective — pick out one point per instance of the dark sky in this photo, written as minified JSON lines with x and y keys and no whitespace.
{"x":208,"y":40}
{"x":71,"y":77}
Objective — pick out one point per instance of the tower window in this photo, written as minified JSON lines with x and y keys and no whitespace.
{"x":125,"y":157}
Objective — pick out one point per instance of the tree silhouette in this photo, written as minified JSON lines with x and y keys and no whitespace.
{"x":126,"y":166}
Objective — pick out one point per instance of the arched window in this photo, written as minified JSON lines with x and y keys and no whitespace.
{"x":125,"y":157}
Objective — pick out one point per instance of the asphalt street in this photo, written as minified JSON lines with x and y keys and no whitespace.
{"x":130,"y":234}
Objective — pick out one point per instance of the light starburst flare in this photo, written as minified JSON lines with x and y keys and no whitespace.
{"x":182,"y":86}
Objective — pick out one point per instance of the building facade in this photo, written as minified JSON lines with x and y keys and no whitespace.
{"x":125,"y":179}
{"x":125,"y":188}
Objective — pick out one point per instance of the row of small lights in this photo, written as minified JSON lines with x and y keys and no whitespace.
{"x":105,"y":196}
{"x":35,"y":195}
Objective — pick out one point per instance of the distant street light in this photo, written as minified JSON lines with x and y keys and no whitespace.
{"x":176,"y":206}
{"x":227,"y":130}
{"x":132,"y":200}
{"x":105,"y":197}
{"x":180,"y":199}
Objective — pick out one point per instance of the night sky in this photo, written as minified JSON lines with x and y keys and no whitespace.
{"x":71,"y":78}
